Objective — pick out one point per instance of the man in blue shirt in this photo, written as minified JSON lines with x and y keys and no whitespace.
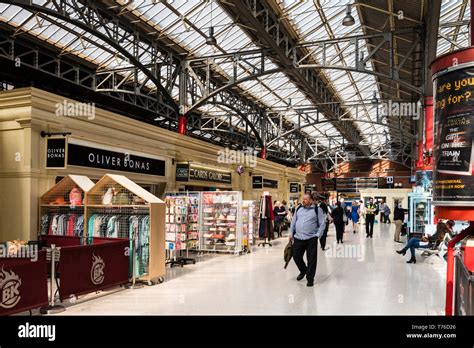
{"x":306,"y":227}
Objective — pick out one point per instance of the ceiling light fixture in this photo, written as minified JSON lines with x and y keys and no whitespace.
{"x":211,"y":40}
{"x":348,"y":19}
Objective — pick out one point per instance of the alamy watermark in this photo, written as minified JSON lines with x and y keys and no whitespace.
{"x":400,"y":109}
{"x":70,"y":109}
{"x":25,"y":252}
{"x":346,"y":251}
{"x":247,"y":157}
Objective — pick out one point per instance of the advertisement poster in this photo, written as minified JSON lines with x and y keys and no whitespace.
{"x":424,"y":179}
{"x":453,"y":153}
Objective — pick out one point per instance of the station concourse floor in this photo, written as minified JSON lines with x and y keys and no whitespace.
{"x":365,"y":277}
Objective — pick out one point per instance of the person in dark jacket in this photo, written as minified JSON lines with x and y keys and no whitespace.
{"x":398,"y":218}
{"x":414,"y":243}
{"x":338,"y":217}
{"x":279,"y":213}
{"x":325,"y":209}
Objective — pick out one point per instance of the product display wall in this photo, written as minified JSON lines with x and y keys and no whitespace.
{"x":221,"y":224}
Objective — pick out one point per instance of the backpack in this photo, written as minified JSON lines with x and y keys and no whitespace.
{"x":315,"y":210}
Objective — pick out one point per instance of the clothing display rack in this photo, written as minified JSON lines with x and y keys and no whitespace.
{"x":265,"y":230}
{"x":62,"y":207}
{"x":179,"y":237}
{"x":116,"y":207}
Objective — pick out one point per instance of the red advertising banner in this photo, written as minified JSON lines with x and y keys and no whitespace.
{"x":89,"y":268}
{"x":23,"y":283}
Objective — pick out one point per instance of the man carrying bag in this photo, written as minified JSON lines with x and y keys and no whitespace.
{"x":307,"y":226}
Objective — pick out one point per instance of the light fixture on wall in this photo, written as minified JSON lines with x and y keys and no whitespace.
{"x":48,"y":134}
{"x":348,"y":19}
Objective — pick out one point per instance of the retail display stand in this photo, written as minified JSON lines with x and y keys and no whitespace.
{"x":249,"y":223}
{"x":421,"y":213}
{"x":221,"y":221}
{"x":181,"y":228}
{"x":62,"y":207}
{"x":116,"y":207}
{"x":265,"y":230}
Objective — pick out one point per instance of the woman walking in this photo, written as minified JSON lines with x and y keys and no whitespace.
{"x":338,"y":217}
{"x":355,"y":215}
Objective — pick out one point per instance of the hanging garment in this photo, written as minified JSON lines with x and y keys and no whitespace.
{"x":53,"y":228}
{"x":90,"y":225}
{"x":111,"y":230}
{"x":45,"y":222}
{"x":145,"y":244}
{"x":70,"y":224}
{"x":134,"y":231}
{"x":79,"y":226}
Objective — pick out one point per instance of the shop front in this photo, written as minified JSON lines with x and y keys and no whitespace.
{"x":39,"y":148}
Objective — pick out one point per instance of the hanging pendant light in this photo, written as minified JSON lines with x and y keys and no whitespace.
{"x":211,"y":40}
{"x":348,"y":19}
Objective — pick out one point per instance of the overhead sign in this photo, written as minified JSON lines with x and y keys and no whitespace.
{"x":257,"y":182}
{"x":86,"y":156}
{"x":182,"y":172}
{"x":209,"y":174}
{"x":294,"y":187}
{"x":56,"y":153}
{"x":328,"y":184}
{"x":268,"y":183}
{"x":189,"y":172}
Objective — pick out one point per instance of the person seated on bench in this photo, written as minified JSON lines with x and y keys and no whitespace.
{"x":414,"y":243}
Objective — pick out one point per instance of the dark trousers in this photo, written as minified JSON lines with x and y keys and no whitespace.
{"x":322,"y":240}
{"x":309,"y":246}
{"x":413,"y":244}
{"x":278,"y":227}
{"x":339,"y":230}
{"x":369,"y":224}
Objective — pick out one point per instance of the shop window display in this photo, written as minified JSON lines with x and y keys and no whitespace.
{"x":116,"y":207}
{"x":62,"y":207}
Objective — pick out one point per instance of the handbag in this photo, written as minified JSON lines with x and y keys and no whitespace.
{"x":121,"y":198}
{"x":344,"y":218}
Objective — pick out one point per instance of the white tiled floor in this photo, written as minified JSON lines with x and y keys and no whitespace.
{"x":369,"y":279}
